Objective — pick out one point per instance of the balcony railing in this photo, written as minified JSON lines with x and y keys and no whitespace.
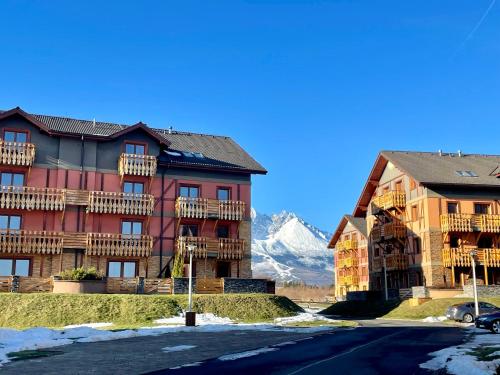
{"x":137,"y":165}
{"x":120,"y":203}
{"x":389,"y":200}
{"x":112,"y":244}
{"x":388,"y":231}
{"x":348,"y":262}
{"x":221,"y":248}
{"x":376,"y":233}
{"x":346,"y":245}
{"x":30,"y":242}
{"x":17,"y":153}
{"x":203,"y":208}
{"x":348,"y":280}
{"x":394,"y":262}
{"x":31,"y":198}
{"x":460,"y":257}
{"x":470,"y":223}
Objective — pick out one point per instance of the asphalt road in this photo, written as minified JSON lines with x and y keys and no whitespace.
{"x":376,"y":348}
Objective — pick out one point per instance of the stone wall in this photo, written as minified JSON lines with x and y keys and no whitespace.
{"x":482,"y":290}
{"x":234,"y":285}
{"x":180,"y":285}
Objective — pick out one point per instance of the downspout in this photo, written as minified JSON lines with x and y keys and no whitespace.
{"x":161,"y":219}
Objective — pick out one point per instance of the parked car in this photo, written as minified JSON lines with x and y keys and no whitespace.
{"x":489,"y":321}
{"x":465,"y":312}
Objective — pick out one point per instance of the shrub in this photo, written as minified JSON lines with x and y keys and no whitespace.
{"x":81,"y":274}
{"x":178,"y":269}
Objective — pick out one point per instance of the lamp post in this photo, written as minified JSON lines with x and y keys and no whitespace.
{"x":386,"y":290}
{"x":474,"y":286}
{"x":190,"y":315}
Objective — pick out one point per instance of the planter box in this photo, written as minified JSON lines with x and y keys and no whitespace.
{"x":83,"y":286}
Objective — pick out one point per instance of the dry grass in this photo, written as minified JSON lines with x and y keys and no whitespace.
{"x":305,"y":293}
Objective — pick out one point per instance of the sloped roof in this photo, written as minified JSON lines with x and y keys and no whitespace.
{"x":433,"y":168}
{"x":357,"y":222}
{"x":218,"y":151}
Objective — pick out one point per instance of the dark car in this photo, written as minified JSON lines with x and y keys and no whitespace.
{"x":489,"y":321}
{"x":465,"y":312}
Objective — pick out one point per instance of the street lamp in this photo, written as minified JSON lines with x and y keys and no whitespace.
{"x":474,"y":286}
{"x":190,"y":315}
{"x":386,"y":290}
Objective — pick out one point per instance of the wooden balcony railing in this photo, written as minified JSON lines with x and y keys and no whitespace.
{"x":376,"y":233}
{"x":112,"y":244}
{"x":348,"y":262}
{"x":17,"y":153}
{"x":460,"y":257}
{"x":120,"y":203}
{"x":203,"y":208}
{"x":394,"y":262}
{"x":470,"y":223}
{"x":30,"y":242}
{"x":137,"y":165}
{"x":31,"y":198}
{"x":221,"y":248}
{"x":393,"y":230}
{"x":347,"y":245}
{"x":348,"y":280}
{"x":389,"y":200}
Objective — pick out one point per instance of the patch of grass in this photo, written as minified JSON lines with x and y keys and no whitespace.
{"x":397,"y":309}
{"x":127,"y":311}
{"x":31,"y":354}
{"x":485,"y":353}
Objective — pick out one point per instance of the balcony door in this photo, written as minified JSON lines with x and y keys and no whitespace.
{"x":223,"y":269}
{"x":189,"y":191}
{"x":481,"y":208}
{"x":10,"y":223}
{"x":11,"y":181}
{"x":188,"y":230}
{"x":15,"y":136}
{"x":135,"y":148}
{"x":131,"y":229}
{"x":223,"y":194}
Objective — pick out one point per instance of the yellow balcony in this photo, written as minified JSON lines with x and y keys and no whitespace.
{"x":394,"y":262}
{"x":112,"y":244}
{"x":120,"y":203}
{"x":31,"y":198}
{"x":137,"y":165}
{"x":347,"y":245}
{"x":389,"y":200}
{"x":30,"y":242}
{"x":16,"y":153}
{"x":203,"y":208}
{"x":348,"y":280}
{"x":393,"y":230}
{"x":376,"y":233}
{"x":470,"y":223}
{"x":221,"y":248}
{"x":348,"y":262}
{"x":460,"y":257}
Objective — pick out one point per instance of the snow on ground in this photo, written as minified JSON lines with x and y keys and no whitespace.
{"x":458,"y":360}
{"x":177,"y":348}
{"x":12,"y":340}
{"x":250,"y":353}
{"x":434,"y":319}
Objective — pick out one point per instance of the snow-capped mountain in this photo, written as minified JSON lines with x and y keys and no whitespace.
{"x":286,"y":248}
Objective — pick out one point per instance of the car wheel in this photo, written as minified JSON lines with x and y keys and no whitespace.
{"x":495,"y":327}
{"x":468,"y":318}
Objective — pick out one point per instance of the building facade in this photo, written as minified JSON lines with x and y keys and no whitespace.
{"x":124,"y":199}
{"x":426,"y":213}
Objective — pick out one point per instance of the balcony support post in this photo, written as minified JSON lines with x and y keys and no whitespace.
{"x":452,"y":274}
{"x":485,"y":272}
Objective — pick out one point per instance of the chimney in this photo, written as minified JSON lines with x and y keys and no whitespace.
{"x":440,"y":152}
{"x":459,"y":153}
{"x":170,"y":130}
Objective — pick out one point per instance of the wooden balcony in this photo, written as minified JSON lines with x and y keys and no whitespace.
{"x":470,"y":223}
{"x":347,"y":245}
{"x":30,"y":242}
{"x":460,"y":257}
{"x":203,"y":208}
{"x":32,"y":198}
{"x":221,"y":248}
{"x":348,"y":262}
{"x":137,"y":165}
{"x":394,"y":262}
{"x":112,"y":244}
{"x":393,"y":230}
{"x":120,"y":203}
{"x":15,"y":153}
{"x":389,"y":200}
{"x":376,"y":233}
{"x":348,"y":280}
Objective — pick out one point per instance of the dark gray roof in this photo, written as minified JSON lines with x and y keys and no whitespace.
{"x":359,"y":223}
{"x":218,"y":151}
{"x":434,"y":168}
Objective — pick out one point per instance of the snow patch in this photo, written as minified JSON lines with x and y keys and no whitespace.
{"x":434,"y":319}
{"x":90,"y":325}
{"x":177,"y":348}
{"x":250,"y":353}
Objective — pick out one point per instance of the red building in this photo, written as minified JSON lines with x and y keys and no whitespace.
{"x":121,"y":198}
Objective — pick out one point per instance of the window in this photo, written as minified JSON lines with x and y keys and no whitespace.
{"x":223,"y":269}
{"x":188,"y":230}
{"x":122,"y":269}
{"x":17,"y":267}
{"x":481,"y":208}
{"x":399,"y":185}
{"x":376,"y":252}
{"x":189,"y":191}
{"x":466,"y":173}
{"x":132,"y":228}
{"x":12,"y":222}
{"x":11,"y":179}
{"x":452,"y":207}
{"x":223,"y":194}
{"x":417,"y":246}
{"x":135,"y":148}
{"x":15,"y":136}
{"x":414,"y":212}
{"x":454,"y":242}
{"x":485,"y":242}
{"x":413,"y":184}
{"x":222,"y":231}
{"x":133,"y":187}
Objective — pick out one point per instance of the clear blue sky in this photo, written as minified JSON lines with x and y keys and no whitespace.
{"x":312,"y":89}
